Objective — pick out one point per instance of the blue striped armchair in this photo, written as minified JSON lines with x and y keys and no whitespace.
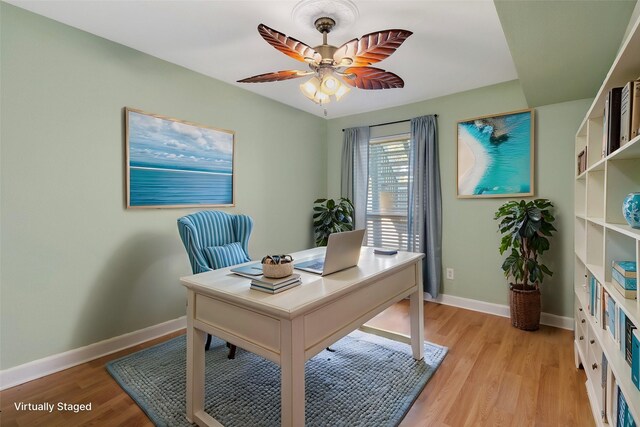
{"x":214,"y":240}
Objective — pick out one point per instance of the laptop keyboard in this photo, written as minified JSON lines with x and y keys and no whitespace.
{"x":318,"y":265}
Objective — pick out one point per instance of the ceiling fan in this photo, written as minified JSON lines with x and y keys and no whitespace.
{"x":333,"y":66}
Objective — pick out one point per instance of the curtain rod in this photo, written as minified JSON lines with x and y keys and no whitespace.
{"x":392,"y":123}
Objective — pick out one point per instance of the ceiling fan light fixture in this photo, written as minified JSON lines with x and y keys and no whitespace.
{"x":330,"y":84}
{"x":310,"y":87}
{"x":342,"y":90}
{"x":321,"y":98}
{"x":320,"y":89}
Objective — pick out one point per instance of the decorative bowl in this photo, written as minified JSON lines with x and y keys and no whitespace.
{"x":277,"y":266}
{"x":631,"y":209}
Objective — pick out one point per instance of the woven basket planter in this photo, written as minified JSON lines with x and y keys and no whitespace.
{"x":525,"y":308}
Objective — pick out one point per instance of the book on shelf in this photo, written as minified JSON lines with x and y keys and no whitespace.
{"x":626,"y":268}
{"x":599,"y":303}
{"x":611,"y":122}
{"x":624,"y":417}
{"x":609,"y":401}
{"x":635,"y":358}
{"x":629,"y":327}
{"x":593,"y":287}
{"x":610,"y":323}
{"x":624,"y":278}
{"x":603,"y":383}
{"x":582,"y":161}
{"x":622,"y":322}
{"x":627,"y":293}
{"x":626,"y":109}
{"x":635,"y":111}
{"x":614,"y":400}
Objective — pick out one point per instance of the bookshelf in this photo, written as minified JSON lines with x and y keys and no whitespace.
{"x":602,"y":236}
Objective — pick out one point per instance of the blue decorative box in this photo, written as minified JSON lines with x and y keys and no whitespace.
{"x":625,"y":277}
{"x":626,"y":268}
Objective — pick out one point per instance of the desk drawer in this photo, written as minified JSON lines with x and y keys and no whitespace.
{"x":251,"y":326}
{"x":329,"y":319}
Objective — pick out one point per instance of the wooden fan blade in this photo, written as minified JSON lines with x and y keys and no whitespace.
{"x":276,"y":77}
{"x":372,"y":78}
{"x":288,"y":45}
{"x":370,"y":48}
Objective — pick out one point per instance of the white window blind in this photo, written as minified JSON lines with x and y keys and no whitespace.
{"x":388,"y":196}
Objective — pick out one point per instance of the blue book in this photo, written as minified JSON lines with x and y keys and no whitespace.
{"x":611,"y":316}
{"x":622,"y":321}
{"x":629,"y":283}
{"x":626,"y":268}
{"x":635,"y":358}
{"x":629,"y":422}
{"x":622,"y":409}
{"x":594,"y":291}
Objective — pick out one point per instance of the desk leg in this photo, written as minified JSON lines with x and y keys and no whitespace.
{"x":195,"y":362}
{"x":292,"y":391}
{"x":416,"y":311}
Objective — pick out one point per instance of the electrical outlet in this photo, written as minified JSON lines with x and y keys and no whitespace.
{"x":450,"y":274}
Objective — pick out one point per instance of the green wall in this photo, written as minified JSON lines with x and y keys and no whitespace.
{"x":76,"y":266}
{"x":470,"y":238}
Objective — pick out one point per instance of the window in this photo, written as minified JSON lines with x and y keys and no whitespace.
{"x":388,"y":195}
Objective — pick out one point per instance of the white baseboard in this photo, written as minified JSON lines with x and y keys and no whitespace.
{"x":498,"y":309}
{"x":58,"y":362}
{"x":39,"y":368}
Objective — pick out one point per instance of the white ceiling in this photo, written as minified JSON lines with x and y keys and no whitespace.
{"x":456,"y":45}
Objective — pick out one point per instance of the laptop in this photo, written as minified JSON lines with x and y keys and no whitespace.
{"x":343,"y":251}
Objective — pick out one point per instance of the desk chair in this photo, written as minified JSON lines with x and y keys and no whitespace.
{"x":214,"y":240}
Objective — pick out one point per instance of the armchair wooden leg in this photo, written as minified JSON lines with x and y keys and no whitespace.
{"x":208,"y":344}
{"x":232,"y":348}
{"x":232,"y":351}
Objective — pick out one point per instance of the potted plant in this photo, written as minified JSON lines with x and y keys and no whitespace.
{"x":331,"y":216}
{"x":525,"y":227}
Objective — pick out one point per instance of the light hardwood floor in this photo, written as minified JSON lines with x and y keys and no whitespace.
{"x":493,"y":375}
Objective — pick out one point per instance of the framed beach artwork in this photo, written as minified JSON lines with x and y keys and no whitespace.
{"x":172,"y":163}
{"x":495,"y":155}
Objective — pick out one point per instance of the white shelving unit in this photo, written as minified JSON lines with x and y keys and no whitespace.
{"x":602,"y":236}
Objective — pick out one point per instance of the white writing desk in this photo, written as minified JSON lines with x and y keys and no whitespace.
{"x":293,"y":326}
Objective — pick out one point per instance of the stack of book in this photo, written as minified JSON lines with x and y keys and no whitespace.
{"x":274,"y":286}
{"x":624,"y":275}
{"x":621,"y":122}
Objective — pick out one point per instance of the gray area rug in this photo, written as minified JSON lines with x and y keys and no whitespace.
{"x":367,"y":381}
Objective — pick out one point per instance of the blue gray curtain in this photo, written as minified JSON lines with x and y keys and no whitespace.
{"x":425,"y":201}
{"x":355,"y":171}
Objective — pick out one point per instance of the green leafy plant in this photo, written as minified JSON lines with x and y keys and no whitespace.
{"x":331,"y":216}
{"x":525,"y":227}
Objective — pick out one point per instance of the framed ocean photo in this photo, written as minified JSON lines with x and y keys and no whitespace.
{"x":495,"y":155}
{"x":172,"y":163}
